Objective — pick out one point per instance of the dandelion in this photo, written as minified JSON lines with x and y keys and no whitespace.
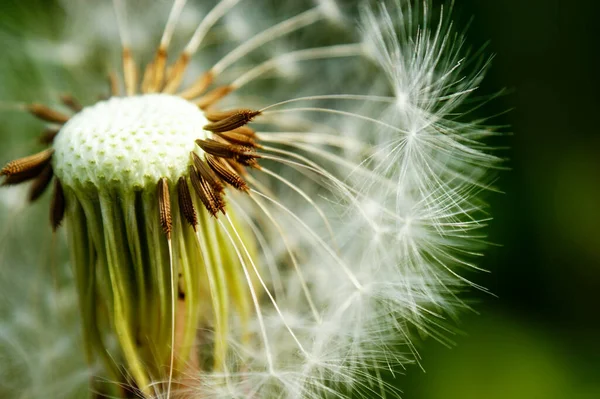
{"x":255,"y":210}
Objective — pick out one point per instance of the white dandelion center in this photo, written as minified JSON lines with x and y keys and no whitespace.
{"x":128,"y":141}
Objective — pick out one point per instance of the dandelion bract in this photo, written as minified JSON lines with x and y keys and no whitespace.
{"x":260,"y":199}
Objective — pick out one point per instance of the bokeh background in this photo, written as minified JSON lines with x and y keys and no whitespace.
{"x":539,"y":337}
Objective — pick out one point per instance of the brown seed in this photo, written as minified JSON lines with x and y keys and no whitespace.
{"x":26,"y":168}
{"x":41,"y":183}
{"x":223,"y":150}
{"x":213,"y":96}
{"x":176,"y":72}
{"x":113,"y":83}
{"x":213,"y":202}
{"x":226,"y":172}
{"x":164,"y":207}
{"x":185,"y":202}
{"x":57,"y":206}
{"x":71,"y":102}
{"x":148,"y":78}
{"x":237,"y":119}
{"x":129,"y":72}
{"x":238,"y":167}
{"x":207,"y":173}
{"x":159,"y":70}
{"x":245,"y":130}
{"x":215,"y":116}
{"x":48,"y":135}
{"x":155,"y":72}
{"x":237,"y":138}
{"x":248,"y":161}
{"x":198,"y":87}
{"x":47,"y":114}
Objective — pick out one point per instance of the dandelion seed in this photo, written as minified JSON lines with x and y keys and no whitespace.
{"x":239,"y":233}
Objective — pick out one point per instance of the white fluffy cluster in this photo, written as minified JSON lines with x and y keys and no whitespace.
{"x":398,"y":184}
{"x":375,"y":217}
{"x":366,"y":209}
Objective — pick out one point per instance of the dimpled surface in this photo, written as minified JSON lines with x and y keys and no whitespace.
{"x":128,"y":142}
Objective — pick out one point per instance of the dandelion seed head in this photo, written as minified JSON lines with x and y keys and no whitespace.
{"x":273,"y":213}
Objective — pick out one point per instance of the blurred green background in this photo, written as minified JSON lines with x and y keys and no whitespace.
{"x":539,"y":337}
